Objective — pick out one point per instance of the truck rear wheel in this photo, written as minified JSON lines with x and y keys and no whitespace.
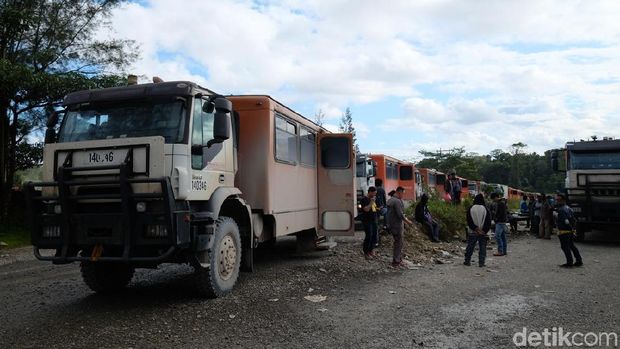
{"x":106,"y":277}
{"x":218,"y":270}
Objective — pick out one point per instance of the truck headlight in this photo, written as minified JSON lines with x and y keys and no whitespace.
{"x":57,"y":209}
{"x":51,"y":232}
{"x":141,"y":207}
{"x":156,"y":231}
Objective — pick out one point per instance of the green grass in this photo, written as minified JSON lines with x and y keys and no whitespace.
{"x":452,"y":219}
{"x":14,"y":236}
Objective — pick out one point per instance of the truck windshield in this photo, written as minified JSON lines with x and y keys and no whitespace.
{"x":590,"y":161}
{"x":124,"y":120}
{"x":360,"y":168}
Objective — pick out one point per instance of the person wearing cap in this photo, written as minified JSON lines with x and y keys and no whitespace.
{"x":396,"y":224}
{"x":478,"y":226}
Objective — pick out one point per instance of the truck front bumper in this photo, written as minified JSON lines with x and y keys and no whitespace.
{"x":107,"y":225}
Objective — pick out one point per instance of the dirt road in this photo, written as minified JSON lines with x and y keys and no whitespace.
{"x":367,"y":304}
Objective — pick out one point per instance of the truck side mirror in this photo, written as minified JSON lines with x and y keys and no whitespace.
{"x":221,"y":121}
{"x":554,"y":160}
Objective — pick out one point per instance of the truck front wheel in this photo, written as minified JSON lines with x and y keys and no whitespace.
{"x":106,"y":277}
{"x":218,"y":270}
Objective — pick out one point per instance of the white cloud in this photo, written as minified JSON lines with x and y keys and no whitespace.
{"x":481,"y":74}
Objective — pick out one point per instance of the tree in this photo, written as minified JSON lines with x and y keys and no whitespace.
{"x":319,"y":117}
{"x":346,"y":126}
{"x":47,"y":49}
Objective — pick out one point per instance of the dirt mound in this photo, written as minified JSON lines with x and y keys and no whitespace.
{"x":418,"y":248}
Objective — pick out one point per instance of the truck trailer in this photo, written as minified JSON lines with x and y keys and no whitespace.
{"x":172,"y":172}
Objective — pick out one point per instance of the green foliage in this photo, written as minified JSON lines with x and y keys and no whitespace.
{"x":452,"y":218}
{"x":47,"y":49}
{"x":15,"y":236}
{"x":346,"y":126}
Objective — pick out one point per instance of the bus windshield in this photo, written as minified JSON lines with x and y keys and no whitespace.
{"x":124,"y":120}
{"x":591,"y":161}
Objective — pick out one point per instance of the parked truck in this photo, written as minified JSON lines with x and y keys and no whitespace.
{"x":592,"y":183}
{"x":172,"y":172}
{"x":366,"y":169}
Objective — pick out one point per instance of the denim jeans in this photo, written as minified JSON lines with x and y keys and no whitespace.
{"x":501,"y":229}
{"x":472,"y":239}
{"x":569,"y":248}
{"x":433,"y":230}
{"x":371,"y":237}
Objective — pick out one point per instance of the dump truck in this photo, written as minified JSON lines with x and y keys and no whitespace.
{"x":592,"y":183}
{"x":172,"y":172}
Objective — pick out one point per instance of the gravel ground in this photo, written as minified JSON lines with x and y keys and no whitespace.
{"x":367,"y":304}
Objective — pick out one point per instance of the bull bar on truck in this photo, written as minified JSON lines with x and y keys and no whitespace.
{"x":73,"y":226}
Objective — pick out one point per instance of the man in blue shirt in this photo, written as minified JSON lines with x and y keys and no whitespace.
{"x":524,"y":210}
{"x":566,"y":221}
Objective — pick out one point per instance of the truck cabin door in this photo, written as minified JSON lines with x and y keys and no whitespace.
{"x":336,"y":184}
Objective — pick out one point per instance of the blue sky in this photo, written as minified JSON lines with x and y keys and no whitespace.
{"x":416,"y":74}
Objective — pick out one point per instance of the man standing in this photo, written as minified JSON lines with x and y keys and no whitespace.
{"x":370,"y":221}
{"x":381,"y":201}
{"x":501,"y":227}
{"x":546,"y":217}
{"x":423,"y":216}
{"x":566,"y":221}
{"x":524,"y":210}
{"x":396,"y":220}
{"x":478,"y":224}
{"x":454,"y":187}
{"x":536,"y":220}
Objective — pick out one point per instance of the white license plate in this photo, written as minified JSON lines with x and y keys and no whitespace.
{"x":99,"y":157}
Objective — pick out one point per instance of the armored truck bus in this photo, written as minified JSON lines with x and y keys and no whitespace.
{"x":172,"y":172}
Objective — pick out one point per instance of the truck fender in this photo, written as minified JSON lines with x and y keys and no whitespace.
{"x":219,"y":196}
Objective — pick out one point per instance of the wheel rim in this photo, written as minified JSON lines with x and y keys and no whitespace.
{"x":227,"y":257}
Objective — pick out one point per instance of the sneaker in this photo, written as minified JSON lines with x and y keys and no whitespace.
{"x":467,"y":263}
{"x":498,"y":254}
{"x":395,"y":265}
{"x":566,"y":265}
{"x":482,"y":265}
{"x":368,"y":256}
{"x":578,"y":264}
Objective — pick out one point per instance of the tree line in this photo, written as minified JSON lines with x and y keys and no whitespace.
{"x":515,"y":167}
{"x":49,"y":48}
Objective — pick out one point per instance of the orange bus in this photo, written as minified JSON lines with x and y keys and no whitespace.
{"x":387,"y":171}
{"x":407,"y":180}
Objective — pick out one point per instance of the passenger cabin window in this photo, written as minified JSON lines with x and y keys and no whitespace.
{"x":308,"y":147}
{"x":392,"y":170}
{"x":406,"y":173}
{"x":202,"y":131}
{"x":286,"y":141}
{"x":335,"y":152}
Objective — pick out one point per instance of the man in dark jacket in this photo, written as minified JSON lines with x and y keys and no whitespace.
{"x":381,"y":201}
{"x":501,"y":224}
{"x":423,"y":216}
{"x":566,"y":221}
{"x":478,"y":224}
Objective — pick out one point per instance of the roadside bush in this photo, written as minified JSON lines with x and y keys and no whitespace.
{"x":452,"y":219}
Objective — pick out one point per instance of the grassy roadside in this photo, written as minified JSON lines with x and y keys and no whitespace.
{"x":14,"y":236}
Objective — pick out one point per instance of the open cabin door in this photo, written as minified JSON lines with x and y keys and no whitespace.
{"x":336,"y":184}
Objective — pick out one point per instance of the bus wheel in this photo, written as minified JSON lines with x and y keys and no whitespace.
{"x":218,"y":270}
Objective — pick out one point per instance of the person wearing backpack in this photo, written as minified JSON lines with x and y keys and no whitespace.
{"x":566,"y":222}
